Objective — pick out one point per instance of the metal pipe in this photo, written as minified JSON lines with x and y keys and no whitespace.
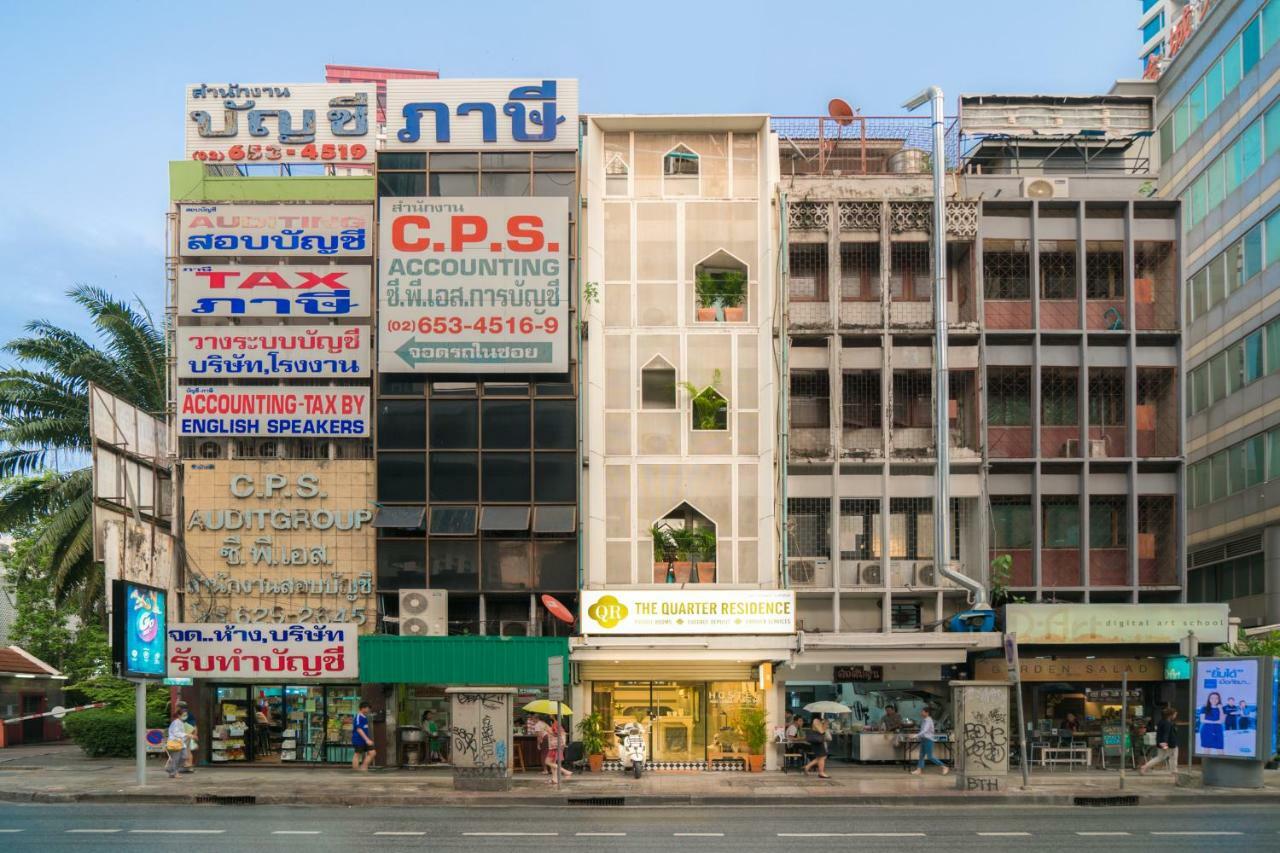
{"x":941,"y":384}
{"x":784,"y":377}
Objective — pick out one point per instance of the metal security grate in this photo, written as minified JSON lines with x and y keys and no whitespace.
{"x":226,"y":800}
{"x":1121,"y":800}
{"x":596,"y":801}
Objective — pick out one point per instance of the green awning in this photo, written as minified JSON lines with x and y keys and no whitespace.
{"x":499,"y":661}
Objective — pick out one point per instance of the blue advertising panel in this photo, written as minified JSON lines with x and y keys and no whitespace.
{"x":139,"y":623}
{"x":1226,"y":706}
{"x":1275,"y":706}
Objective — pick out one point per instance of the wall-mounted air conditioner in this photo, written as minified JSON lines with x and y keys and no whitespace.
{"x":1043,"y":188}
{"x":424,"y":612}
{"x":1098,"y":447}
{"x":809,"y":571}
{"x":869,"y":574}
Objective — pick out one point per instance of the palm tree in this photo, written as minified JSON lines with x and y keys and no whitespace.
{"x":44,"y":428}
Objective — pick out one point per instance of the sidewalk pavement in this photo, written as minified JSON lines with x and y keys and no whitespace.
{"x":61,"y":773}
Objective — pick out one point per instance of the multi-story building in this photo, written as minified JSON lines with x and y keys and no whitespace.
{"x":679,"y":429}
{"x":1155,"y":22}
{"x":1219,"y":131}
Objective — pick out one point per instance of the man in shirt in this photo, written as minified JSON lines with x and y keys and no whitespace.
{"x":1166,"y":742}
{"x":362,"y":740}
{"x":892,"y":720}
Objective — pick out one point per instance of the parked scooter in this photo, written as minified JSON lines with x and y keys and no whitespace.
{"x":631,"y":738}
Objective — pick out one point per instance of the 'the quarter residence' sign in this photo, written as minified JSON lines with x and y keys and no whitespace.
{"x":688,"y":612}
{"x":1067,"y":624}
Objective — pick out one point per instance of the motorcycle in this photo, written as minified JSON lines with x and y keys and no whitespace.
{"x":631,"y":736}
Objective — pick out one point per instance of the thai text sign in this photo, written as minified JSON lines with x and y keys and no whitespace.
{"x":294,"y":652}
{"x":470,"y":285}
{"x":284,"y":412}
{"x":1226,"y":707}
{"x":493,"y":114}
{"x":1071,"y":669}
{"x":279,"y":541}
{"x":688,"y":611}
{"x":226,"y":290}
{"x":286,"y":352}
{"x":280,"y":122}
{"x":1115,"y":623}
{"x":276,"y":230}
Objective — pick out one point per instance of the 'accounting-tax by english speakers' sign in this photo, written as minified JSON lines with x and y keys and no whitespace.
{"x":1066,"y":624}
{"x":685,"y":611}
{"x":280,"y":412}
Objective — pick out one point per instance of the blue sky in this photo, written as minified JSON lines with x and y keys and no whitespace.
{"x":98,"y":107}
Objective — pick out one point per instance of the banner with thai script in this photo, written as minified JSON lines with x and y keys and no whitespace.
{"x":265,"y":123}
{"x":252,"y":653}
{"x":284,"y":412}
{"x":483,"y":114}
{"x":276,"y":230}
{"x":277,"y":352}
{"x":469,"y":285}
{"x":259,"y":290}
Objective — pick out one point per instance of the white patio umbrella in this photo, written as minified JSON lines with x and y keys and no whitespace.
{"x":825,"y":708}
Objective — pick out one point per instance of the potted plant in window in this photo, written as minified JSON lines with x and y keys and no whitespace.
{"x":721,"y":295}
{"x":708,"y":292}
{"x":733,"y":293}
{"x":591,"y":730}
{"x":709,"y":406}
{"x":753,"y":722}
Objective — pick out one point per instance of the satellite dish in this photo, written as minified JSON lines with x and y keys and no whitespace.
{"x":557,"y":609}
{"x":839,"y":109}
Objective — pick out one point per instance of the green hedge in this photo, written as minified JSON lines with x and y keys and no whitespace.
{"x":106,"y":733}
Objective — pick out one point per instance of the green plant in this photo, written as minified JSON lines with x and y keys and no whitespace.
{"x":710,"y":409}
{"x":753,"y":723}
{"x":1267,"y":645}
{"x":727,"y":288}
{"x":662,"y":542}
{"x":591,"y":729}
{"x":102,"y":734}
{"x":1001,"y":576}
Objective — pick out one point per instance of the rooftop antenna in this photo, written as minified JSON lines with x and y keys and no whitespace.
{"x":842,"y":114}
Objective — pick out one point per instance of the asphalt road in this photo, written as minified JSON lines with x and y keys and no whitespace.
{"x":195,"y":829}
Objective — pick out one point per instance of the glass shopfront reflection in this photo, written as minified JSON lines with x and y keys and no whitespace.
{"x":685,"y":721}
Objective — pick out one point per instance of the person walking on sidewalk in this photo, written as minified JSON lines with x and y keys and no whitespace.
{"x":176,"y":745}
{"x":361,"y":740}
{"x":926,"y":744}
{"x":817,"y":740}
{"x":189,"y":721}
{"x":1166,"y":741}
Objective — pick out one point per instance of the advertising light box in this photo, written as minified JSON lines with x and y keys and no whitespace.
{"x":686,"y":611}
{"x":473,"y":285}
{"x":138,"y":629}
{"x":1226,"y":708}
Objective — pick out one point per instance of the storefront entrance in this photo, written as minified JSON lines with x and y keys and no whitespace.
{"x":278,"y":723}
{"x":689,"y":724}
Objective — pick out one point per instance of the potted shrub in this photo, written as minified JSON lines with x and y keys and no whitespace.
{"x":721,"y":295}
{"x":591,"y":730}
{"x":753,"y":722}
{"x":733,"y":293}
{"x":709,"y":406}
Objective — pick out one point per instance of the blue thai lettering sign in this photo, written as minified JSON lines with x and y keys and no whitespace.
{"x":511,"y":114}
{"x":260,"y":290}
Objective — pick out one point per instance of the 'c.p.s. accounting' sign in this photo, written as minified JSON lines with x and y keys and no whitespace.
{"x":688,"y":612}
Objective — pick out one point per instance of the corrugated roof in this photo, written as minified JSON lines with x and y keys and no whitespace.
{"x":507,"y":661}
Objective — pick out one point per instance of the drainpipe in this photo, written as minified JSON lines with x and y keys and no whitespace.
{"x":784,"y":379}
{"x":582,"y":390}
{"x":942,"y":475}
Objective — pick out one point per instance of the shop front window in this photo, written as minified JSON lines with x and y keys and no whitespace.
{"x":686,"y":722}
{"x":279,"y":723}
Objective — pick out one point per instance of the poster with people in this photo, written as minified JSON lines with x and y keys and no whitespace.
{"x":1226,"y":708}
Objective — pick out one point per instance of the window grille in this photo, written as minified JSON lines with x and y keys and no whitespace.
{"x":1006,"y":269}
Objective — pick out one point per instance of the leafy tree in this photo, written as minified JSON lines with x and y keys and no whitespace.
{"x":44,"y":428}
{"x":1258,"y":644}
{"x":41,"y":627}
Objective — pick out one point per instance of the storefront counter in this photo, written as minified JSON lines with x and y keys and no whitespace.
{"x":876,"y":746}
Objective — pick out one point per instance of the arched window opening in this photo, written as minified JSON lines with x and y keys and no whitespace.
{"x":684,"y":547}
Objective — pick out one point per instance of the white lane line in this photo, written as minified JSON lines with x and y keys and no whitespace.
{"x":601,"y":834}
{"x":12,"y":830}
{"x":400,"y":833}
{"x":815,"y":834}
{"x":296,"y":832}
{"x":92,"y":831}
{"x":1198,"y":832}
{"x":1003,"y":834}
{"x":698,"y":834}
{"x":1104,"y":833}
{"x":886,"y":835}
{"x":177,"y":831}
{"x":510,"y":834}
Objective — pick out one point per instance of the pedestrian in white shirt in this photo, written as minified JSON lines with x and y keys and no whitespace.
{"x":176,"y":746}
{"x":926,"y":744}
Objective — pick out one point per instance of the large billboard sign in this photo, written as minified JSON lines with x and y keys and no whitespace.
{"x":688,"y":611}
{"x":1226,"y":707}
{"x":275,"y":230}
{"x":262,"y":290}
{"x":273,"y":352}
{"x":280,"y":123}
{"x":470,"y":285}
{"x":482,"y":114}
{"x":280,"y":412}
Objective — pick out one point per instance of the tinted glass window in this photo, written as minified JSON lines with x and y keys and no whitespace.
{"x":505,"y":564}
{"x":453,"y":565}
{"x":556,"y":565}
{"x":504,"y":183}
{"x":554,"y":475}
{"x":402,"y":477}
{"x":506,"y":423}
{"x":453,"y":424}
{"x":453,"y":521}
{"x":402,"y":184}
{"x":402,"y":423}
{"x":402,"y":565}
{"x":554,"y":160}
{"x":447,"y":184}
{"x":505,"y":160}
{"x":553,"y":424}
{"x":454,"y":162}
{"x":402,"y":161}
{"x":506,"y":477}
{"x":554,"y":184}
{"x":453,"y":477}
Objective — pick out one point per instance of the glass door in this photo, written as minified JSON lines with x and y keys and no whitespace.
{"x":341,"y":706}
{"x":229,"y":735}
{"x":678,"y":725}
{"x":303,"y":734}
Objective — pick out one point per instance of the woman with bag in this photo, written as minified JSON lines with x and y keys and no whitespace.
{"x":817,"y":741}
{"x":176,"y":745}
{"x":555,"y":751}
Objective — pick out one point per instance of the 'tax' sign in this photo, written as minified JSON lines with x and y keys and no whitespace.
{"x":248,"y":290}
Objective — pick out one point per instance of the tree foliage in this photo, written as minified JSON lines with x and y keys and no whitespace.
{"x":44,"y":430}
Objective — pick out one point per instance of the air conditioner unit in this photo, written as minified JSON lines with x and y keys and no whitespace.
{"x":808,"y":571}
{"x":1045,"y":188}
{"x":513,"y":628}
{"x":1071,"y":448}
{"x":1097,"y":447}
{"x":926,"y":576}
{"x":424,"y":612}
{"x":870,"y":575}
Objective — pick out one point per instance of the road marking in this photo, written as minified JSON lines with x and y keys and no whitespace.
{"x":296,"y":832}
{"x":12,"y":830}
{"x":88,"y":831}
{"x":1003,"y":834}
{"x":886,"y":835}
{"x":1198,"y":832}
{"x":814,"y":834}
{"x":698,"y":834}
{"x":400,"y":833}
{"x":177,"y":831}
{"x":601,"y":834}
{"x":1104,"y":833}
{"x":509,"y":834}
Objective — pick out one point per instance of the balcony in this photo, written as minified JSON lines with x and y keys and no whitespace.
{"x":810,"y":416}
{"x":1155,"y":285}
{"x":1060,"y":413}
{"x":1109,"y":566}
{"x":1157,"y":541}
{"x":1156,"y":415}
{"x":1108,"y":435}
{"x":1006,"y":269}
{"x":807,"y":299}
{"x":860,"y":282}
{"x":1060,"y":567}
{"x":1105,"y":304}
{"x":1021,"y":574}
{"x":1009,"y":442}
{"x":1059,"y":288}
